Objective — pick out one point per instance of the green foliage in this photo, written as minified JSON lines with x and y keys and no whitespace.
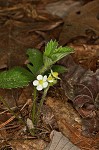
{"x":53,"y":53}
{"x":59,"y":68}
{"x":38,"y":64}
{"x":36,"y":59}
{"x":16,"y":77}
{"x":50,"y":48}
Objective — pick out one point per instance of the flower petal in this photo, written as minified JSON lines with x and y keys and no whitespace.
{"x":35,"y":82}
{"x":39,"y":87}
{"x":39,"y":77}
{"x":45,"y":84}
{"x":50,"y":81}
{"x":45,"y":78}
{"x":50,"y":78}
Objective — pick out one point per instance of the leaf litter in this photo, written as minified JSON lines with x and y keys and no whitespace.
{"x":84,"y":20}
{"x":28,"y":24}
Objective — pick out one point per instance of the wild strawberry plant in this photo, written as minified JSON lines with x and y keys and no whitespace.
{"x":41,"y":70}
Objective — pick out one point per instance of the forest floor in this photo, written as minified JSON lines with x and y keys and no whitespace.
{"x":31,"y":24}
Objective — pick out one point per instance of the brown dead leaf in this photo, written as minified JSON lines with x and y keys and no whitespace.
{"x":19,"y":22}
{"x":62,"y":8}
{"x":60,"y":142}
{"x":36,"y":144}
{"x":7,"y":95}
{"x":3,"y":134}
{"x":82,"y":88}
{"x":69,"y":124}
{"x":86,"y":55}
{"x":25,"y":95}
{"x":63,"y":111}
{"x":48,"y":117}
{"x":82,"y":22}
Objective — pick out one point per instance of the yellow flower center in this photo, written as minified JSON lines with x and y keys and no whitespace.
{"x":41,"y":82}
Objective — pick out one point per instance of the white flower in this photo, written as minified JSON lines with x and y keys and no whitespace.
{"x":41,"y":82}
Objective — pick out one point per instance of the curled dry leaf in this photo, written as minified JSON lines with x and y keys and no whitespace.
{"x":82,"y":88}
{"x":77,"y":23}
{"x":69,"y":123}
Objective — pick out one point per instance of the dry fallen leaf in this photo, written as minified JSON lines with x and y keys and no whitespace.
{"x":62,"y":8}
{"x":19,"y":22}
{"x":86,"y":55}
{"x":34,"y":144}
{"x":81,"y":22}
{"x":60,"y":142}
{"x":69,"y":124}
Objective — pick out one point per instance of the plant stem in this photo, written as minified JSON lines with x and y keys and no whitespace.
{"x":42,"y":70}
{"x":11,"y":111}
{"x":34,"y":105}
{"x":41,"y":102}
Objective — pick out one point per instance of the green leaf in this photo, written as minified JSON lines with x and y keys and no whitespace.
{"x":50,"y":47}
{"x":53,"y":53}
{"x":47,"y":61}
{"x":36,"y":59}
{"x":59,"y":68}
{"x":16,"y":77}
{"x":60,"y":53}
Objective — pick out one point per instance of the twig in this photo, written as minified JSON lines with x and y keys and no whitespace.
{"x":6,"y":122}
